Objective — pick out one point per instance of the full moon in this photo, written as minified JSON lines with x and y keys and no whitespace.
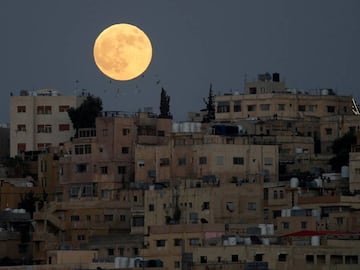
{"x":122,"y":52}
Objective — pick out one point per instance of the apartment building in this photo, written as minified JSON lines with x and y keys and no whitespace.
{"x":39,"y":119}
{"x":319,"y":114}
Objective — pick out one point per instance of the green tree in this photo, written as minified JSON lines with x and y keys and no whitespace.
{"x":84,"y":116}
{"x":16,"y":167}
{"x":210,"y":107}
{"x":341,"y":148}
{"x":164,"y":105}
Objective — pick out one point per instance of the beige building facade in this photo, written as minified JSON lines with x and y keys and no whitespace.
{"x":39,"y":119}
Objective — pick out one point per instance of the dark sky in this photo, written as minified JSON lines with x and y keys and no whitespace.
{"x":48,"y":44}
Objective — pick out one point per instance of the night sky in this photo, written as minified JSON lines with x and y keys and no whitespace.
{"x":49,"y":44}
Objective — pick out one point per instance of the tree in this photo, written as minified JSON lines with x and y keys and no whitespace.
{"x":210,"y":107}
{"x":84,"y":116}
{"x":341,"y":147}
{"x":16,"y":167}
{"x":164,"y":105}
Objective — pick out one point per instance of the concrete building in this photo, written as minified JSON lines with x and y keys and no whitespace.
{"x":39,"y":119}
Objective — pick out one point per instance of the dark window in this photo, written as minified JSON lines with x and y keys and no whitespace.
{"x":328,"y":131}
{"x":125,"y":150}
{"x":164,"y":161}
{"x":223,"y":106}
{"x":21,"y":109}
{"x":331,"y":109}
{"x":121,"y":169}
{"x":202,"y":160}
{"x":282,"y":257}
{"x":75,"y":218}
{"x":251,"y":108}
{"x":303,"y":224}
{"x":160,"y":243}
{"x":177,"y":242}
{"x":181,"y":161}
{"x":126,"y":131}
{"x":161,"y":133}
{"x":302,"y":108}
{"x":203,"y":259}
{"x":104,"y":170}
{"x":151,"y":207}
{"x":238,"y":160}
{"x":108,"y":217}
{"x":110,"y":251}
{"x":237,"y":106}
{"x":234,"y":258}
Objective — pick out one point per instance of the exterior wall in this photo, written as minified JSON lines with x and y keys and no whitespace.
{"x":227,"y":158}
{"x":24,"y":124}
{"x":203,"y":203}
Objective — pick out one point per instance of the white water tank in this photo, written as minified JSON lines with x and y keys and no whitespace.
{"x":131,"y":263}
{"x":270,"y":229}
{"x":265,"y":241}
{"x":315,"y":240}
{"x":319,"y":182}
{"x":345,"y":171}
{"x":175,"y":127}
{"x":294,"y":182}
{"x":247,"y":241}
{"x":232,"y":241}
{"x":262,"y":229}
{"x":121,"y":262}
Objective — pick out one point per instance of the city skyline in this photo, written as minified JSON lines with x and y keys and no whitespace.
{"x":49,"y":45}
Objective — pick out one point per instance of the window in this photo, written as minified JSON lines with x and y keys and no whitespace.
{"x":125,"y":150}
{"x":265,"y":107}
{"x":74,"y":218}
{"x":309,"y":259}
{"x":235,"y":258}
{"x":251,"y":108}
{"x":21,"y":147}
{"x":202,"y":160}
{"x":43,"y":109}
{"x":43,"y":146}
{"x":194,"y":241}
{"x":223,"y":106}
{"x":351,"y":259}
{"x":160,"y":243}
{"x":44,"y":129}
{"x":275,"y":194}
{"x":176,"y":264}
{"x":164,"y":161}
{"x":238,"y":160}
{"x":151,"y":207}
{"x":81,"y":237}
{"x":193,"y":217}
{"x":108,"y":217}
{"x":81,"y":149}
{"x":125,"y":131}
{"x":104,"y":170}
{"x":281,"y":107}
{"x":268,"y":161}
{"x":21,"y":128}
{"x":252,"y":90}
{"x":110,"y":251}
{"x":81,"y":167}
{"x":282,"y":257}
{"x":182,"y":161}
{"x":301,"y":108}
{"x":161,"y":133}
{"x":21,"y":109}
{"x":121,"y":169}
{"x":177,"y":242}
{"x":251,"y":206}
{"x":64,"y":127}
{"x":122,"y":218}
{"x":336,"y":259}
{"x":312,"y":108}
{"x":237,"y":106}
{"x":281,"y":194}
{"x":285,"y":225}
{"x":88,"y":218}
{"x":64,"y":108}
{"x":303,"y":224}
{"x":203,"y":259}
{"x":258,"y":257}
{"x":205,"y":205}
{"x":331,"y":109}
{"x":321,"y":259}
{"x":328,"y":131}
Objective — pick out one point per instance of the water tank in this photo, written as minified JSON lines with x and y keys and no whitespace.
{"x":315,"y":240}
{"x":319,"y":182}
{"x":294,"y":182}
{"x":265,"y":241}
{"x":175,"y":127}
{"x":121,"y":262}
{"x":232,"y":241}
{"x":185,"y":127}
{"x":283,"y":212}
{"x":270,"y":229}
{"x":226,"y":242}
{"x":262,"y":229}
{"x":247,"y":241}
{"x":345,"y":171}
{"x":131,"y":263}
